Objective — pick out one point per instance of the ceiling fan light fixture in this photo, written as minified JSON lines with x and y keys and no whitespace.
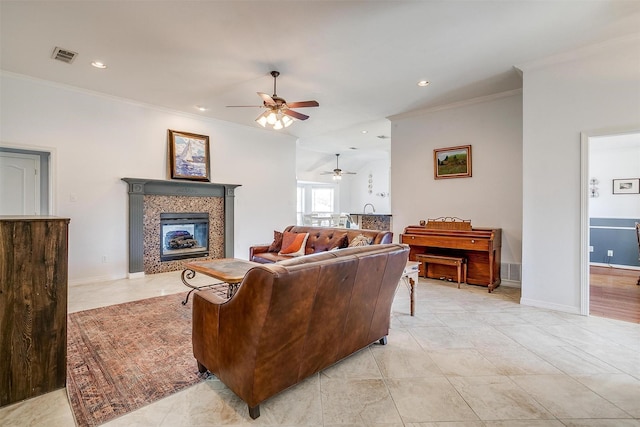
{"x":278,"y":112}
{"x":337,"y":177}
{"x":262,"y":119}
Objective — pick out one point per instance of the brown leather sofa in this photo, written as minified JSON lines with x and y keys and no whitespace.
{"x":289,"y":320}
{"x":320,"y":239}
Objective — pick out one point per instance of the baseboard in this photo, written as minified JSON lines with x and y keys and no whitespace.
{"x":510,"y":283}
{"x":95,"y":279}
{"x":550,"y":306}
{"x":620,"y":266}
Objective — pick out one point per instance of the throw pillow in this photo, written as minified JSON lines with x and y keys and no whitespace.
{"x":360,"y":240}
{"x":342,"y":243}
{"x":276,"y":245}
{"x":293,"y":244}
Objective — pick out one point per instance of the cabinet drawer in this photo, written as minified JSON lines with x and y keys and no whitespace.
{"x":448,"y":242}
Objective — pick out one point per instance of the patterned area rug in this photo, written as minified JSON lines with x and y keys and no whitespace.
{"x":122,"y":357}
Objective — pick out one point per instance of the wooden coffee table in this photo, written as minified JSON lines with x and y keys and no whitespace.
{"x":230,"y":272}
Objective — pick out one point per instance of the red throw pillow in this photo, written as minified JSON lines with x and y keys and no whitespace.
{"x":293,"y":243}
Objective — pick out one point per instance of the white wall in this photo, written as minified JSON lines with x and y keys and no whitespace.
{"x":590,"y":91}
{"x":491,"y":197}
{"x":614,"y":157}
{"x":358,"y":188}
{"x":97,"y":140}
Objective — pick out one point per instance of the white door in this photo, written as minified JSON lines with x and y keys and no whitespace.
{"x":19,"y":184}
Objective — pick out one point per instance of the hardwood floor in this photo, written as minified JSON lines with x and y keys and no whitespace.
{"x":614,"y":293}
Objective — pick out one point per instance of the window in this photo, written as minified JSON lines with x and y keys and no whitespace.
{"x":315,"y":201}
{"x":321,"y":199}
{"x":300,"y":206}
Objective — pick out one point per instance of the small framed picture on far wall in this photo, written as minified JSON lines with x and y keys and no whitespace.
{"x":452,"y":162}
{"x":626,"y":186}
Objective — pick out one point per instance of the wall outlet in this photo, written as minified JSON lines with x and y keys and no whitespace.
{"x":610,"y":252}
{"x":590,"y":248}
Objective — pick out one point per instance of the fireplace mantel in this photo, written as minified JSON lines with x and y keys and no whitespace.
{"x":140,"y":187}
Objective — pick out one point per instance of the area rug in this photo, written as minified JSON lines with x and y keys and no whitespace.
{"x":125,"y":356}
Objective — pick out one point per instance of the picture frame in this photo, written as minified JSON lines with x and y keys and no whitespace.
{"x":626,"y":186}
{"x":452,"y":162}
{"x":188,"y":156}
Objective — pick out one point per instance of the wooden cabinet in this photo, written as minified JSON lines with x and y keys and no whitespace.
{"x":33,"y":306}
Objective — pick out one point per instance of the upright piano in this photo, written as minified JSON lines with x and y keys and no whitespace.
{"x":448,"y":236}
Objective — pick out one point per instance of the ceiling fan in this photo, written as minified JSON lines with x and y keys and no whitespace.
{"x":337,"y":172}
{"x":279,"y":112}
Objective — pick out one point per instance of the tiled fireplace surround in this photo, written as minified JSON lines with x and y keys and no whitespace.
{"x":148,"y":198}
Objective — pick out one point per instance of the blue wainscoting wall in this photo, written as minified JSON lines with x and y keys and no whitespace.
{"x":617,"y":234}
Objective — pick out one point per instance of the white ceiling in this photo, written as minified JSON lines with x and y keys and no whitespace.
{"x":360,"y":60}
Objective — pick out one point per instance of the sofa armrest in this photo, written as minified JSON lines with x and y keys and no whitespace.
{"x":258,"y":249}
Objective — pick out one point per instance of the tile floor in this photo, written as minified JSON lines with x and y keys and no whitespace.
{"x":467,"y":359}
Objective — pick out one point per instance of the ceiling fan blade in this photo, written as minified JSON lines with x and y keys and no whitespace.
{"x":266,"y":98}
{"x":302,"y":104}
{"x":295,"y":114}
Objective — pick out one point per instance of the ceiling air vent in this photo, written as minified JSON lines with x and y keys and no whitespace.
{"x":64,"y":55}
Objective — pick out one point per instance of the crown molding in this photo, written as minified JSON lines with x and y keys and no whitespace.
{"x":458,"y":104}
{"x":580,"y":52}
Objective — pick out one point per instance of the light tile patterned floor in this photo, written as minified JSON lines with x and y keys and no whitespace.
{"x":467,"y":359}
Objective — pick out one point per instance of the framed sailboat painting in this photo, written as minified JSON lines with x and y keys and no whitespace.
{"x":188,"y":156}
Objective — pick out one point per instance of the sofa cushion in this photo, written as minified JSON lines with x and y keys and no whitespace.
{"x":321,"y":241}
{"x":293,"y":244}
{"x":360,"y":240}
{"x":276,"y":245}
{"x":268,"y":257}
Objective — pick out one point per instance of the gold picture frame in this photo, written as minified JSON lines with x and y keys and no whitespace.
{"x":452,"y":162}
{"x":188,"y":156}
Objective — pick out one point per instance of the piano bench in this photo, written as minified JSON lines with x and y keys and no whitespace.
{"x":459,"y":262}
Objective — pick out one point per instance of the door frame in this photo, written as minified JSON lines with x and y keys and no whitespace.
{"x":47,"y":172}
{"x":584,"y":206}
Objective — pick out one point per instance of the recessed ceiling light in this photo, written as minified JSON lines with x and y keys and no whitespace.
{"x":201,"y":108}
{"x":99,"y":64}
{"x":353,"y":148}
{"x":364,"y":131}
{"x":423,"y":83}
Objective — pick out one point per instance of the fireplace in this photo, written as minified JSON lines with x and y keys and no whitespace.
{"x":184,"y":235}
{"x":150,"y":198}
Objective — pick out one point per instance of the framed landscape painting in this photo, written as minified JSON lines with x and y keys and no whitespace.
{"x":626,"y":186}
{"x":452,"y":162}
{"x":188,"y":156}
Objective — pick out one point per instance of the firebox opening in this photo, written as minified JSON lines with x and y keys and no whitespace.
{"x":184,"y":235}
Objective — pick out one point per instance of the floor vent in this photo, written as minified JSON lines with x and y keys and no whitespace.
{"x":64,"y":55}
{"x":512,"y":272}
